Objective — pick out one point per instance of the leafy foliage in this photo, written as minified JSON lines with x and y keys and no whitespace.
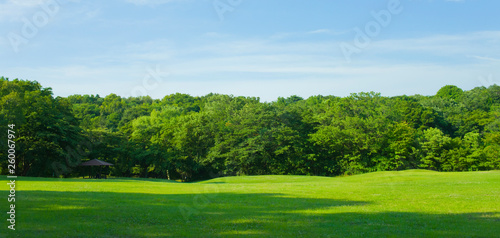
{"x":190,"y":138}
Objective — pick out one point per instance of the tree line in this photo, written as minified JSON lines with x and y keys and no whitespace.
{"x":192,"y":138}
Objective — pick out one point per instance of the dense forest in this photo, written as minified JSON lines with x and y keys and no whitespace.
{"x":192,"y":138}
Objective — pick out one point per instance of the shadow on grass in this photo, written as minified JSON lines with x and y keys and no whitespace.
{"x":104,"y":214}
{"x":89,"y":180}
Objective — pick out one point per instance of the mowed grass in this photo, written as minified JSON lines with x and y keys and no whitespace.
{"x":414,"y":203}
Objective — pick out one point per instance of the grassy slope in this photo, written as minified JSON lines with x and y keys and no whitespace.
{"x":384,"y":204}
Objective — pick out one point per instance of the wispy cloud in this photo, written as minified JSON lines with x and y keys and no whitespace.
{"x":264,"y":81}
{"x":327,"y":31}
{"x":475,"y":43}
{"x":258,"y":66}
{"x":17,"y":10}
{"x":485,"y":58}
{"x":151,"y":2}
{"x":27,"y":3}
{"x":13,"y":10}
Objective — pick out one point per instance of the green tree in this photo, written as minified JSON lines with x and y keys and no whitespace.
{"x":46,"y":130}
{"x":437,"y":150}
{"x":450,"y":91}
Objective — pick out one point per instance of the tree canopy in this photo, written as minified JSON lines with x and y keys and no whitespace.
{"x":191,"y":138}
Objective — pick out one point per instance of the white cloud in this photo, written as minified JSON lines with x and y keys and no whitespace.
{"x":151,"y":2}
{"x":485,"y":58}
{"x":476,"y":43}
{"x":327,"y":31}
{"x":26,"y":3}
{"x":93,"y":13}
{"x":270,"y":68}
{"x":14,"y":10}
{"x":264,"y":76}
{"x":319,"y":31}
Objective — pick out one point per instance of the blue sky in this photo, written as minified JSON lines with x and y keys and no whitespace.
{"x":263,"y":48}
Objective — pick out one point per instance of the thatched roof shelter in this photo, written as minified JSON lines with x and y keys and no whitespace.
{"x":96,"y":163}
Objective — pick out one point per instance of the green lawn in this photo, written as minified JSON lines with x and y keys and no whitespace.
{"x":412,"y":203}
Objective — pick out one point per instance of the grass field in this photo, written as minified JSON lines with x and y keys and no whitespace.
{"x":412,"y":203}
